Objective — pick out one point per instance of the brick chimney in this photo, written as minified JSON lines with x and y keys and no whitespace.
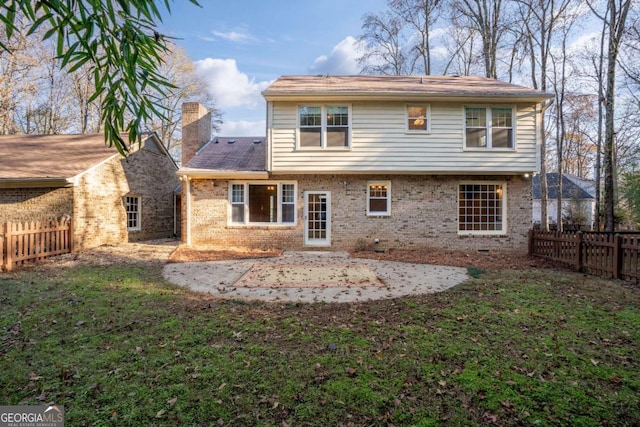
{"x":196,"y":129}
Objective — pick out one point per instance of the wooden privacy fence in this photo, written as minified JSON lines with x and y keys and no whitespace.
{"x":32,"y":241}
{"x":613,"y":255}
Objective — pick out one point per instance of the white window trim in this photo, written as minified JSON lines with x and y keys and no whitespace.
{"x":505,"y":206}
{"x":388,"y":211}
{"x":488,"y":108}
{"x":427,"y":118}
{"x":138,"y":227}
{"x":246,"y":222}
{"x":323,"y":130}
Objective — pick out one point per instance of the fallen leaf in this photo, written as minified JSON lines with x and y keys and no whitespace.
{"x":172,"y":402}
{"x":594,"y":362}
{"x":351,"y":372}
{"x":33,"y":376}
{"x":160,"y":413}
{"x":43,"y":396}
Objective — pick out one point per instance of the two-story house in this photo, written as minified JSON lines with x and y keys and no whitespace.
{"x":352,"y":161}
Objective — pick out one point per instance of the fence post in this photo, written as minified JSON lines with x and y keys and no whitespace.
{"x":71,"y":235}
{"x":579,"y":248}
{"x":617,"y":256}
{"x":2,"y":247}
{"x":10,"y":248}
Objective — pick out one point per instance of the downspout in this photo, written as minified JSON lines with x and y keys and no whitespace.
{"x":187,"y":195}
{"x":269,"y":149}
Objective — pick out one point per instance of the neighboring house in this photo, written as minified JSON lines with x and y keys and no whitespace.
{"x":111,"y":199}
{"x":369,"y":161}
{"x":578,"y":200}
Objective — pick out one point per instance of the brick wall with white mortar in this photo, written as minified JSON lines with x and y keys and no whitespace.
{"x":99,"y":209}
{"x":424,"y":213}
{"x":35,"y":204}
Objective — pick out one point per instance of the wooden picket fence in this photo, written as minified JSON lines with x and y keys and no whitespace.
{"x":615,"y":255}
{"x":33,"y":241}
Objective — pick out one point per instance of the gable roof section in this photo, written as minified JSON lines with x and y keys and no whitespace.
{"x":50,"y":157}
{"x":229,"y":157}
{"x":570,"y":189}
{"x":54,"y":160}
{"x":401,"y":87}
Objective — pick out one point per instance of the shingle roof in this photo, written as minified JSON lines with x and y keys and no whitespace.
{"x":570,"y":190}
{"x":50,"y":156}
{"x":436,"y":86}
{"x":232,"y":154}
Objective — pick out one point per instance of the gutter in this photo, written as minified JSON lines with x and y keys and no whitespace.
{"x":37,"y":182}
{"x":187,"y":200}
{"x":221,"y":174}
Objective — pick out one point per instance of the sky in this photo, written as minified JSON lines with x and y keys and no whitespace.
{"x":241,"y":46}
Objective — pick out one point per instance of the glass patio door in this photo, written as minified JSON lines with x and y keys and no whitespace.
{"x":317,"y":218}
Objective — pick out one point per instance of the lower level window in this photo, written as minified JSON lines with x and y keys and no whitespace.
{"x":132,"y":206}
{"x":378,"y":198}
{"x":262,"y":203}
{"x":481,"y":208}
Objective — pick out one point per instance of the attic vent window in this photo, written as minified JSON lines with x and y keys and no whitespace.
{"x":257,"y":141}
{"x":231,"y":141}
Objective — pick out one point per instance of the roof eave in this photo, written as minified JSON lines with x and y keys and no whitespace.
{"x":57,"y":182}
{"x":221,"y":174}
{"x":402,"y":96}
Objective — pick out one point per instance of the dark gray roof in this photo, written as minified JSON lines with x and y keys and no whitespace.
{"x":231,"y":153}
{"x":570,"y":190}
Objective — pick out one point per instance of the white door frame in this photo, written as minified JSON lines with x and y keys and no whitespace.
{"x":320,"y":220}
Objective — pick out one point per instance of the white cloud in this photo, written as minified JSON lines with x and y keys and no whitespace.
{"x":243,"y":128}
{"x":343,"y":59}
{"x":230,"y":87}
{"x":239,"y":36}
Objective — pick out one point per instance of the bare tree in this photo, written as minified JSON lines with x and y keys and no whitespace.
{"x":461,"y":45}
{"x":178,"y":69}
{"x":384,"y":50}
{"x":579,"y":150}
{"x":541,"y":21}
{"x":486,"y":17}
{"x":16,"y":63}
{"x":615,"y":19}
{"x":420,"y":15}
{"x":397,"y":41}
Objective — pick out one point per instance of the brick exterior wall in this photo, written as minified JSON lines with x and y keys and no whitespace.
{"x":96,"y":202}
{"x":35,"y":204}
{"x":424,"y":213}
{"x":99,"y":209}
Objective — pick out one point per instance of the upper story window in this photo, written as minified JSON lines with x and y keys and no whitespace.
{"x":262,"y":203}
{"x":324,"y":126}
{"x":418,"y":119}
{"x":489,"y":127}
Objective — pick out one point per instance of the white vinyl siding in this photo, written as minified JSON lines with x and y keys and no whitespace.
{"x":380,"y":143}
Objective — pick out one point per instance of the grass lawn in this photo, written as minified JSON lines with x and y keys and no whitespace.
{"x":117,"y":345}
